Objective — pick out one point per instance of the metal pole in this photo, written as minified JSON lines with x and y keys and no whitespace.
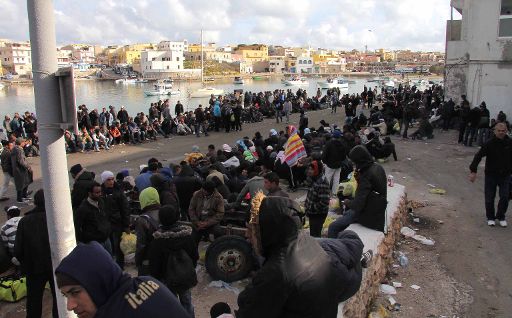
{"x":59,"y":216}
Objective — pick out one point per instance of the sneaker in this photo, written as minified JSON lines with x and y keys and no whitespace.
{"x":367,"y":258}
{"x":503,"y":223}
{"x":491,"y":223}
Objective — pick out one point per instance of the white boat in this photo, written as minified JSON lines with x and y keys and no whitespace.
{"x":296,"y":81}
{"x":1,"y":85}
{"x":140,"y":80}
{"x":238,"y":80}
{"x":162,"y":88}
{"x":339,"y":82}
{"x":126,"y":81}
{"x":206,"y":92}
{"x":389,"y":85}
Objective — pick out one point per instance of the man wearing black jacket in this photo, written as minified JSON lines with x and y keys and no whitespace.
{"x":498,"y":167}
{"x":118,"y":212}
{"x":32,"y":249}
{"x":333,"y":155}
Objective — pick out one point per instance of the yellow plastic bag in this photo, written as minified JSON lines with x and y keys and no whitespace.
{"x":128,"y":242}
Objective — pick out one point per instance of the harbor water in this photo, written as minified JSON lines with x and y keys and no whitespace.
{"x":98,"y":94}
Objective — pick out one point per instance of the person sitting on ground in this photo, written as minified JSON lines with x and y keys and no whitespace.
{"x":371,"y":179}
{"x":425,"y":130}
{"x":173,"y":256}
{"x":100,"y":289}
{"x":206,"y":211}
{"x":271,"y":184}
{"x":8,"y":230}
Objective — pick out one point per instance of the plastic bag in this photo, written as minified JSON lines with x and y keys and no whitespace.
{"x":128,"y":243}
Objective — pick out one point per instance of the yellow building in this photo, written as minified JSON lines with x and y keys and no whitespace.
{"x":386,"y":55}
{"x":130,"y":54}
{"x":324,"y":58}
{"x":253,"y":53}
{"x":1,"y":70}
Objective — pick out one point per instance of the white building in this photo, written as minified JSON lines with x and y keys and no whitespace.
{"x":81,"y":53}
{"x":304,"y":65}
{"x":178,"y":46}
{"x":160,"y":64}
{"x":479,"y":54}
{"x":16,"y":58}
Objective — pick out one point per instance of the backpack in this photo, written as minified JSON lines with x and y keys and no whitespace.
{"x":180,"y":274}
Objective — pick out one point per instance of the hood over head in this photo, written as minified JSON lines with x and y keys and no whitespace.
{"x":186,"y":171}
{"x":100,"y":278}
{"x":275,"y":222}
{"x":159,"y":182}
{"x":149,"y":196}
{"x":360,"y":157}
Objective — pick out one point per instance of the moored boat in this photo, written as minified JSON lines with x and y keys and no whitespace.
{"x":238,"y":80}
{"x":338,"y":82}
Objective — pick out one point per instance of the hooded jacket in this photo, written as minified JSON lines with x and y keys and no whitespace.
{"x":83,"y":181}
{"x":167,"y":241}
{"x":334,"y":153}
{"x":32,"y":247}
{"x":145,"y":226}
{"x":371,"y":177}
{"x":296,"y":279}
{"x":345,"y":254}
{"x":186,"y":184}
{"x":116,"y":294}
{"x":166,"y":191}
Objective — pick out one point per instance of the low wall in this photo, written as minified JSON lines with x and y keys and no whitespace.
{"x":382,"y":247}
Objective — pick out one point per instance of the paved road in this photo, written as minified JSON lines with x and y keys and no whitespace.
{"x":469,"y":250}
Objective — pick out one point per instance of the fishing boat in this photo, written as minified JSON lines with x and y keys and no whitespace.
{"x":389,"y":85}
{"x":257,"y":78}
{"x":238,"y":80}
{"x":141,"y":80}
{"x":338,"y":82}
{"x":205,"y":91}
{"x":126,"y":81}
{"x":296,"y":81}
{"x":162,"y":88}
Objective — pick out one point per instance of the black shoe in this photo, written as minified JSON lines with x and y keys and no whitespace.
{"x":3,"y":199}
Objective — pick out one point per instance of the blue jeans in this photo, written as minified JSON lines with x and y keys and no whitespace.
{"x":341,"y":224}
{"x":491,"y":182}
{"x":186,"y":301}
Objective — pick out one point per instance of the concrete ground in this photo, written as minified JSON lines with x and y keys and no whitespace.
{"x":466,"y":270}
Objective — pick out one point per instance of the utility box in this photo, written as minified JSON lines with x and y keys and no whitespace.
{"x":66,"y":80}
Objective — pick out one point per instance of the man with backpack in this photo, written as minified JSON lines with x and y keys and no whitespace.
{"x":173,"y":256}
{"x":145,"y":226}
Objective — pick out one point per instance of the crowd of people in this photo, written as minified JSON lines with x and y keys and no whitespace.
{"x":171,"y":209}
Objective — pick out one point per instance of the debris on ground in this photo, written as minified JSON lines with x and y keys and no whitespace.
{"x":387,"y":289}
{"x":223,"y":284}
{"x":437,"y":191}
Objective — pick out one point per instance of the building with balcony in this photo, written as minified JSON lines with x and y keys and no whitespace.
{"x":253,"y":53}
{"x":479,"y":54}
{"x":277,"y":64}
{"x":160,"y":64}
{"x":16,"y":58}
{"x":81,"y":53}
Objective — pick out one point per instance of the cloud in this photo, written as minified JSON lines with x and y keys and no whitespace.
{"x":341,"y":24}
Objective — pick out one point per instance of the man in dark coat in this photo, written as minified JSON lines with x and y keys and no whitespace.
{"x":21,"y":171}
{"x":186,"y":184}
{"x":100,"y":289}
{"x":83,"y":181}
{"x":333,"y":155}
{"x":32,"y":249}
{"x":498,"y":167}
{"x":118,"y":211}
{"x":122,"y":115}
{"x":297,"y":278}
{"x":370,"y":177}
{"x":170,"y":240}
{"x":5,"y":159}
{"x":92,"y":222}
{"x":166,"y":190}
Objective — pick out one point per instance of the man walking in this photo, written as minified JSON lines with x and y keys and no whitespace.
{"x":333,"y":155}
{"x":498,"y":167}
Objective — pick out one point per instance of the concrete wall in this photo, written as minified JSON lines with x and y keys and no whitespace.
{"x":481,"y":61}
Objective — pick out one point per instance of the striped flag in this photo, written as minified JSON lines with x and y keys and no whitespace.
{"x":294,"y":148}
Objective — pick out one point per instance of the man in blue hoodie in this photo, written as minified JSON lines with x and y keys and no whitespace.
{"x":95,"y":286}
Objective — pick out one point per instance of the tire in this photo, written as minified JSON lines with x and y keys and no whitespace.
{"x":229,"y":258}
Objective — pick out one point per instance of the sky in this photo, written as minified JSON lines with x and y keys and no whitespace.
{"x":329,"y":24}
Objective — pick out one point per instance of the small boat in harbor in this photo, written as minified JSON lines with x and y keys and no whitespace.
{"x":257,"y":78}
{"x":126,"y":81}
{"x":162,"y":88}
{"x":208,"y":79}
{"x":296,"y":81}
{"x":238,"y":80}
{"x":141,"y":80}
{"x":338,"y":82}
{"x":206,"y":92}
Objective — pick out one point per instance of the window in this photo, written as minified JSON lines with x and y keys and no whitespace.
{"x":177,"y":58}
{"x":310,"y":62}
{"x":505,"y":19}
